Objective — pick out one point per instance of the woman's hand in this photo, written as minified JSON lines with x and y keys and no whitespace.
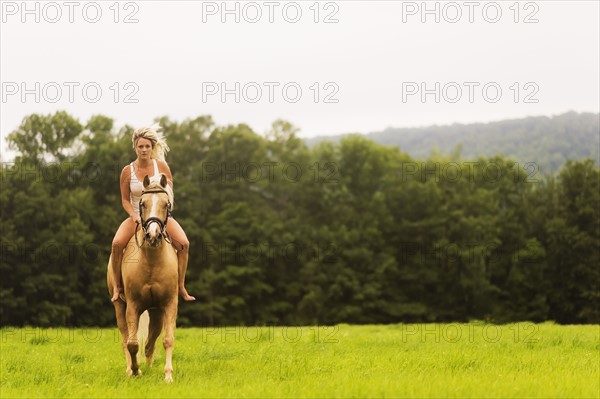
{"x":136,"y":219}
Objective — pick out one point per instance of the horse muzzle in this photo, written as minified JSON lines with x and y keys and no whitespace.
{"x":153,"y":240}
{"x":153,"y":231}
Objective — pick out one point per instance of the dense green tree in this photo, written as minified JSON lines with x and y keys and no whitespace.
{"x":572,"y":242}
{"x":281,"y":233}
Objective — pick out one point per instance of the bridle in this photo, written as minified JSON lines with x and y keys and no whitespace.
{"x":146,"y":223}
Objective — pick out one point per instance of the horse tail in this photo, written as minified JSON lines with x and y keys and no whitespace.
{"x":142,"y":334}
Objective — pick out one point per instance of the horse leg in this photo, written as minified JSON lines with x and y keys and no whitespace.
{"x":169,"y":338}
{"x":122,"y":324}
{"x":132,"y":315}
{"x":154,"y":330}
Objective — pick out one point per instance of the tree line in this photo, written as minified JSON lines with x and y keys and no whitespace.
{"x":280,"y":233}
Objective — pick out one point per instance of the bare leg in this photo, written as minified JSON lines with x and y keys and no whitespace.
{"x":122,"y":237}
{"x":117,"y":257}
{"x":182,"y":261}
{"x":182,"y":245}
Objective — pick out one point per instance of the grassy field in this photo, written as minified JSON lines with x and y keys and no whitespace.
{"x":405,"y":360}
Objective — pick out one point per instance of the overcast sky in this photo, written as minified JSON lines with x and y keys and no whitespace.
{"x":328,"y":67}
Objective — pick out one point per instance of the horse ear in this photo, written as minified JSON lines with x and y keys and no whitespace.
{"x":163,"y":180}
{"x":146,"y":181}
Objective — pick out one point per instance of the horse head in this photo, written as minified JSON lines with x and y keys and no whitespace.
{"x":155,"y":203}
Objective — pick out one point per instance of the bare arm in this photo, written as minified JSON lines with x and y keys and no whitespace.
{"x":126,"y":193}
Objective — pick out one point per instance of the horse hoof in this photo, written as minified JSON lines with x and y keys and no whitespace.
{"x":168,"y":379}
{"x":132,"y":373}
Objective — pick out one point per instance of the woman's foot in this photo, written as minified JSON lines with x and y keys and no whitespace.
{"x":116,"y":292}
{"x":184,"y":294}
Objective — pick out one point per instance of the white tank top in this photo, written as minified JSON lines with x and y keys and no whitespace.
{"x":136,"y":186}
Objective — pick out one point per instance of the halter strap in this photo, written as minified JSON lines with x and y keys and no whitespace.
{"x":153,"y":219}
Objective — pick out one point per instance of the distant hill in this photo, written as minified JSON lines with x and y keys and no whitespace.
{"x":547,"y":141}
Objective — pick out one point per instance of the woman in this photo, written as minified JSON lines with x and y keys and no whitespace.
{"x":150,"y":147}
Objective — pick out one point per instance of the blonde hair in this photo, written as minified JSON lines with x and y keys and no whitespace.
{"x":158,"y":140}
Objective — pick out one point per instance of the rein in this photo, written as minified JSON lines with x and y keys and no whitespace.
{"x":153,"y":219}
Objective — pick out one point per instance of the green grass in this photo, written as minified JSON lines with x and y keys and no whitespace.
{"x":432,"y":360}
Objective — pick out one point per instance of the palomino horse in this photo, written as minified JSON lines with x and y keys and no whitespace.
{"x":149,"y":275}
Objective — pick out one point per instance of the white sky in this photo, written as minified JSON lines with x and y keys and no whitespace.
{"x":369,"y":55}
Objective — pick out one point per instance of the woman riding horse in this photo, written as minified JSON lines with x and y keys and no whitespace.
{"x":150,"y":147}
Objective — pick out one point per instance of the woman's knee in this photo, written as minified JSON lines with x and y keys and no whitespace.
{"x":118,"y":245}
{"x":179,"y":239}
{"x":122,"y":237}
{"x":183,"y":245}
